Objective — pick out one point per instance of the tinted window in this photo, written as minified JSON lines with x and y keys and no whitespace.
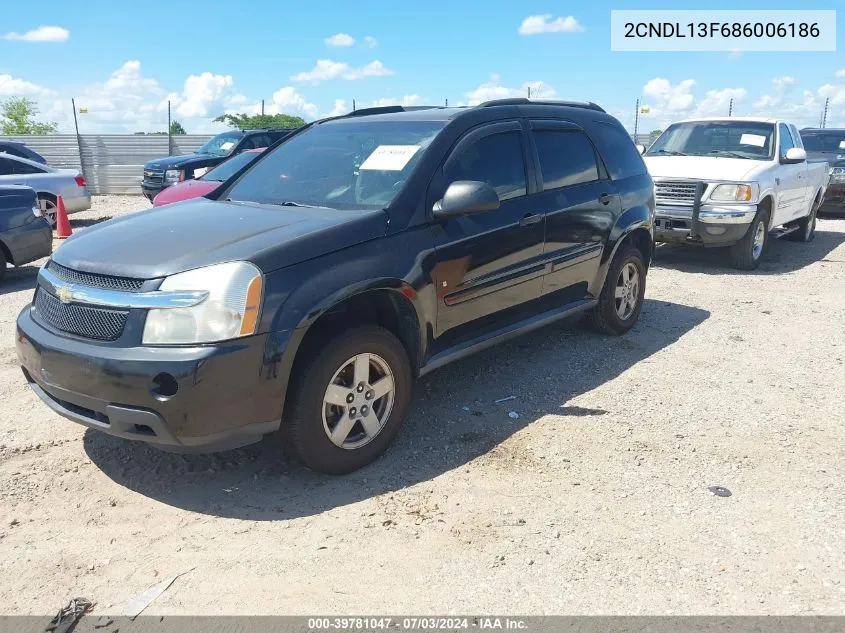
{"x":495,"y":159}
{"x":833,"y":142}
{"x":796,"y":137}
{"x":222,"y":144}
{"x":227,"y":168}
{"x":619,"y":152}
{"x":17,"y":167}
{"x":786,"y":142}
{"x":566,"y":158}
{"x":5,"y":167}
{"x":342,"y":164}
{"x":255,"y":141}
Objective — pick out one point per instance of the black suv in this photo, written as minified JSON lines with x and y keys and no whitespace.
{"x":829,"y":144}
{"x":360,"y":253}
{"x":163,"y":172}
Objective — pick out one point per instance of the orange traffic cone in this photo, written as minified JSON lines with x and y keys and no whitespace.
{"x":63,"y":229}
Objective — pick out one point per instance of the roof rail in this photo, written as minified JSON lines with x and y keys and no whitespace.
{"x":387,"y":110}
{"x":523,"y":101}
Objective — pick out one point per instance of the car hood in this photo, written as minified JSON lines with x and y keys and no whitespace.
{"x":171,"y":162}
{"x":185,"y":191}
{"x":708,"y":168}
{"x":165,"y":240}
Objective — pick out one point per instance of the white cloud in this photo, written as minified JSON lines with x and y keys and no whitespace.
{"x":41,"y":34}
{"x":840,"y":73}
{"x":340,"y":40}
{"x":205,"y":95}
{"x":14,"y":87}
{"x":407,"y":100}
{"x":667,"y":97}
{"x":782,"y":82}
{"x":494,"y":89}
{"x":781,"y":86}
{"x":717,"y":102}
{"x":535,"y":24}
{"x":339,"y":108}
{"x":327,"y":69}
{"x":370,"y":41}
{"x":836,"y":93}
{"x":288,"y":101}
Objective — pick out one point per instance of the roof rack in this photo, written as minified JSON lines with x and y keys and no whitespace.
{"x":387,"y":110}
{"x":523,"y":101}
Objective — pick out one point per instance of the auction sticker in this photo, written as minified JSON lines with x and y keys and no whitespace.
{"x":390,"y":157}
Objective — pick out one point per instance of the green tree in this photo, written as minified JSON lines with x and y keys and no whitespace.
{"x":176,"y":128}
{"x":253,"y":121}
{"x":657,"y":132}
{"x":17,"y":116}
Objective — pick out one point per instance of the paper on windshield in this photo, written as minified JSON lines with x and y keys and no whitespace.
{"x":752,"y":139}
{"x":227,"y":145}
{"x":841,"y":144}
{"x":390,"y":157}
{"x":200,"y":171}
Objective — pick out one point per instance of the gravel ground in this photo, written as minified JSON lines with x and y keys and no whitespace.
{"x":593,"y":501}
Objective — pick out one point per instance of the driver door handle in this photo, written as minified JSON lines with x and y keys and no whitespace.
{"x":604,"y":198}
{"x":530,"y":219}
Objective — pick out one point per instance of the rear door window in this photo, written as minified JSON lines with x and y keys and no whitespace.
{"x":617,"y":149}
{"x":566,"y":158}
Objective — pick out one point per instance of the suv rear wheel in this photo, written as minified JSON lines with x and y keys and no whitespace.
{"x":621,"y":298}
{"x":348,"y":400}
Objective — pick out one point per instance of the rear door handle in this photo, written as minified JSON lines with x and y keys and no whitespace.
{"x":604,"y":198}
{"x":530,"y":218}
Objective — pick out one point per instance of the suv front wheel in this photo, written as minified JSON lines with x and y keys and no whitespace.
{"x":349,"y":400}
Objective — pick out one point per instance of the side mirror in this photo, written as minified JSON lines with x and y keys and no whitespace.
{"x":795,"y":155}
{"x":464,"y":197}
{"x":641,"y":149}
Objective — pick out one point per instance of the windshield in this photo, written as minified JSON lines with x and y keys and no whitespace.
{"x":221,"y":145}
{"x":832,"y":142}
{"x":227,"y":169}
{"x":733,"y":139}
{"x":346,"y":164}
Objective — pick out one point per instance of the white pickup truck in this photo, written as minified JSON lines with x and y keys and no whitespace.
{"x":734,"y":182}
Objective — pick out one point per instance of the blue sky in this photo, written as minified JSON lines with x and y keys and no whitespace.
{"x":123,"y":62}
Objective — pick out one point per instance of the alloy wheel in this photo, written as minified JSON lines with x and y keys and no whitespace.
{"x":627,"y":292}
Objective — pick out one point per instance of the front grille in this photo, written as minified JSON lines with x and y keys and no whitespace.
{"x":673,"y":192}
{"x":153,"y":176}
{"x":102,"y":324}
{"x":108,"y":282}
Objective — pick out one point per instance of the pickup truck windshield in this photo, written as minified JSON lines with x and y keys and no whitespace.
{"x":221,"y":145}
{"x":830,"y":142}
{"x":346,"y":164}
{"x":731,"y":139}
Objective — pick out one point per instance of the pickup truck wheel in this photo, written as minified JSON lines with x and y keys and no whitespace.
{"x":806,"y":227}
{"x":348,"y":400}
{"x":747,"y":253}
{"x":621,"y":298}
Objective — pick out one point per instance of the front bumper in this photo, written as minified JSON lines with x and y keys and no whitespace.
{"x":226,"y":395}
{"x":834,"y":198}
{"x":707,"y":225}
{"x":152,"y":189}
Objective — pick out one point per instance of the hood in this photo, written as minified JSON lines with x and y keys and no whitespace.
{"x":185,"y":191}
{"x":171,"y":162}
{"x":161,"y":241}
{"x":709,"y":168}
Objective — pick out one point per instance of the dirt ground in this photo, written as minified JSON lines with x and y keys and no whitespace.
{"x":594,"y":500}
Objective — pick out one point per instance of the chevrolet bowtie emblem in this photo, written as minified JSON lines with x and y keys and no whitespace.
{"x":65,"y":293}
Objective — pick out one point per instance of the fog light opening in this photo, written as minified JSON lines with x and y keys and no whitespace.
{"x":165,"y":386}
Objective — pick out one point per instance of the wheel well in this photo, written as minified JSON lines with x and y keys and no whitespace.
{"x":45,"y":194}
{"x":6,"y":252}
{"x":642,"y":240}
{"x":386,"y":308}
{"x":766,"y":203}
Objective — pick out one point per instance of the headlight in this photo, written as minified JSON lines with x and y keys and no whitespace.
{"x":174,"y":175}
{"x":837,"y":174}
{"x":733,"y":193}
{"x":230,"y":310}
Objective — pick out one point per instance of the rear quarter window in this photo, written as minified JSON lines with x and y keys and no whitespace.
{"x":618,"y":151}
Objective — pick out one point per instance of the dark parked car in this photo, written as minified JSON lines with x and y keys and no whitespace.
{"x":163,"y":172}
{"x":21,"y":151}
{"x":829,"y":144}
{"x":364,"y":251}
{"x":25,"y":235}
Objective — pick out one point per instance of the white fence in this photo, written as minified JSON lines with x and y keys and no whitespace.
{"x":114,"y":163}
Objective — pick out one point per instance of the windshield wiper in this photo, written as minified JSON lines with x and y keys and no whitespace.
{"x":728,"y":153}
{"x":670,"y":152}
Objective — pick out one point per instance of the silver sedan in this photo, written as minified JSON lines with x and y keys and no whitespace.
{"x":48,"y":183}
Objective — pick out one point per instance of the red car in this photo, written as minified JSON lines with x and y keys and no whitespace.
{"x":209,"y":181}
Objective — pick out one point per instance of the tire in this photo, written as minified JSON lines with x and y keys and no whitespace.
{"x":2,"y":263}
{"x":806,"y":230}
{"x":607,"y":317}
{"x":309,"y":418}
{"x":47,"y":202}
{"x":747,"y":253}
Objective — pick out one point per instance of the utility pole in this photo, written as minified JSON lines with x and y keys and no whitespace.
{"x":529,"y":92}
{"x":824,"y":114}
{"x":262,"y":107}
{"x":353,"y":105}
{"x":731,"y":108}
{"x":636,"y":119}
{"x":78,"y":139}
{"x":447,"y":102}
{"x":169,"y":135}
